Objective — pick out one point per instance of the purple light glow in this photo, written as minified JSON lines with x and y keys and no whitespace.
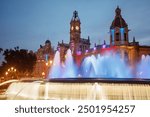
{"x":104,"y":46}
{"x":78,"y":52}
{"x":58,"y":49}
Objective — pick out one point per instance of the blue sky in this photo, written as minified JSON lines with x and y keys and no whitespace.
{"x":28,"y":23}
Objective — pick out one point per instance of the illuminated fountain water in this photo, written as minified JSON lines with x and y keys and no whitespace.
{"x":107,"y":66}
{"x":143,"y":69}
{"x":56,"y":69}
{"x":69,"y":68}
{"x":101,"y":77}
{"x":63,"y":70}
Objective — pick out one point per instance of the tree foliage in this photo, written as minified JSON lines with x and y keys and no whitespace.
{"x":1,"y":50}
{"x":21,"y":59}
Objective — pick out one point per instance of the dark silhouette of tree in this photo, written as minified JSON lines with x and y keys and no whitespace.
{"x":1,"y":49}
{"x":20,"y":59}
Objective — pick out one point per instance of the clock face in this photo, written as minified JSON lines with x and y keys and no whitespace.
{"x":77,"y":27}
{"x":72,"y":28}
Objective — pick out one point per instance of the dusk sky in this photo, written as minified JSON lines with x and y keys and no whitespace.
{"x":29,"y":23}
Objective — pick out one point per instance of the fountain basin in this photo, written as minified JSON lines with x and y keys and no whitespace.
{"x":80,"y":89}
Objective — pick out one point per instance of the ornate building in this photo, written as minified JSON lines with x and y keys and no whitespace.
{"x":119,"y":43}
{"x":119,"y":30}
{"x":76,"y":44}
{"x":119,"y":37}
{"x":44,"y":56}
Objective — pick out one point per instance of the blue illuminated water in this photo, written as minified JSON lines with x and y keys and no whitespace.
{"x":63,"y":70}
{"x":143,"y":68}
{"x":108,"y":65}
{"x":56,"y":69}
{"x":69,"y":68}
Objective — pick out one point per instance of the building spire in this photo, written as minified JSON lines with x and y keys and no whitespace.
{"x":133,"y":39}
{"x":104,"y":42}
{"x":118,"y":11}
{"x":75,"y":16}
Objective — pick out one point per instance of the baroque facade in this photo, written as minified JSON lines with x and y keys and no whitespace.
{"x":76,"y":44}
{"x":44,"y":56}
{"x":119,"y":42}
{"x":80,"y":47}
{"x":119,"y":37}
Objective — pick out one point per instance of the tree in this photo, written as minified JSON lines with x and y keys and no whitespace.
{"x":1,"y":50}
{"x":21,"y":59}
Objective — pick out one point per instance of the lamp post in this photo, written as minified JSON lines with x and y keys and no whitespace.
{"x":11,"y":72}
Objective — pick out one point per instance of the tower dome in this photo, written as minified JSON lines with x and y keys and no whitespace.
{"x":47,"y":42}
{"x":118,"y":21}
{"x":119,"y":30}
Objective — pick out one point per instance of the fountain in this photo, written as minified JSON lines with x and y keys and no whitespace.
{"x":103,"y":66}
{"x":92,"y":66}
{"x":143,"y":70}
{"x":56,"y":69}
{"x":98,"y":77}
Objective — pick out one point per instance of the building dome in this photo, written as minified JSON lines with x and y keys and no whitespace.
{"x":47,"y":42}
{"x":118,"y":21}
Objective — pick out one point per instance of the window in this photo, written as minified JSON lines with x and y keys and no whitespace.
{"x":125,"y":36}
{"x":117,"y":36}
{"x":111,"y":38}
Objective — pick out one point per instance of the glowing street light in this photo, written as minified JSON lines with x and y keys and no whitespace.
{"x":43,"y":73}
{"x":6,"y":73}
{"x":12,"y":68}
{"x":46,"y":63}
{"x":50,"y":61}
{"x":11,"y":72}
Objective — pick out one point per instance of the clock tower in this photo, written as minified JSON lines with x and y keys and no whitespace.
{"x":75,"y":32}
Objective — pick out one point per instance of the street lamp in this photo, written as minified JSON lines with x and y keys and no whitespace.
{"x":8,"y":70}
{"x":11,"y":72}
{"x":46,"y":63}
{"x":12,"y":68}
{"x":6,"y":73}
{"x":50,"y":62}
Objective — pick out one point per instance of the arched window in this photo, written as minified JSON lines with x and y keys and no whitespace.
{"x":117,"y":36}
{"x":125,"y":37}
